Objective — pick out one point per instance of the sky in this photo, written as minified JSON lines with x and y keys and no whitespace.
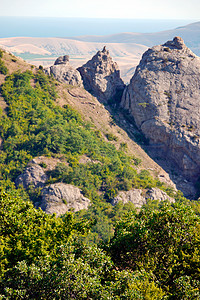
{"x":130,"y":9}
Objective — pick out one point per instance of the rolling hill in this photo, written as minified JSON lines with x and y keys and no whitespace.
{"x":125,"y":48}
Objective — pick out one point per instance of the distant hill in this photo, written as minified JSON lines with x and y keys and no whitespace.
{"x":189,"y":33}
{"x":125,"y":48}
{"x":44,"y":51}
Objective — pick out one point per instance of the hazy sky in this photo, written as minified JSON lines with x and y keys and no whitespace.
{"x":144,"y":9}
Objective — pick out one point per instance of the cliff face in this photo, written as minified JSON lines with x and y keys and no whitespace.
{"x":164,"y":100}
{"x":101,"y":76}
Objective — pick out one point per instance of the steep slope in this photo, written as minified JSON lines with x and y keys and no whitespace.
{"x":13,"y":64}
{"x":163,"y":98}
{"x":77,"y":97}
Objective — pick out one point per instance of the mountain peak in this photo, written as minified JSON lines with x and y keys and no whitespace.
{"x":101,"y":76}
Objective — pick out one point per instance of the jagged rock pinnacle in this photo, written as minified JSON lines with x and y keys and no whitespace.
{"x":104,"y":49}
{"x":101,"y":76}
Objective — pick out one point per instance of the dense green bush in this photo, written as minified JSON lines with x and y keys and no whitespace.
{"x":40,"y":258}
{"x":3,"y":68}
{"x":166,"y":242}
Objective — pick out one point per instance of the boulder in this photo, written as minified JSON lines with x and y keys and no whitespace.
{"x":101,"y":76}
{"x":60,"y":198}
{"x":135,"y":196}
{"x":64,"y":72}
{"x":157,"y":194}
{"x":139,"y":197}
{"x":163,"y":97}
{"x":33,"y":175}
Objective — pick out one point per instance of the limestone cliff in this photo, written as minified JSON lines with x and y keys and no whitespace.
{"x":164,"y":100}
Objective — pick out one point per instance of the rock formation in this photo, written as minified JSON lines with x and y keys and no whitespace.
{"x":135,"y":196}
{"x":139,"y":197}
{"x":33,"y":175}
{"x":157,"y":194}
{"x":164,"y":100}
{"x":64,"y":72}
{"x":60,"y":197}
{"x":56,"y":198}
{"x":101,"y":76}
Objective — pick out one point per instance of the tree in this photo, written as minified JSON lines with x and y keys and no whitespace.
{"x":165,"y":242}
{"x":28,"y":233}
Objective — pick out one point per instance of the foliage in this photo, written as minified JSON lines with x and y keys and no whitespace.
{"x":3,"y":68}
{"x":105,"y":216}
{"x":165,"y":241}
{"x":41,"y":258}
{"x":111,"y":137}
{"x":27,"y":233}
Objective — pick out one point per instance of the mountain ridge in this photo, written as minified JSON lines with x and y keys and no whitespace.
{"x":90,"y":109}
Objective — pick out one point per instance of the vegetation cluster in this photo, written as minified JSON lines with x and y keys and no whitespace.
{"x":3,"y":68}
{"x":153,"y":254}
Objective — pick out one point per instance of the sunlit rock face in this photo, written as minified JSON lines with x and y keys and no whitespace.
{"x":64,"y":72}
{"x":164,"y":99}
{"x":101,"y":76}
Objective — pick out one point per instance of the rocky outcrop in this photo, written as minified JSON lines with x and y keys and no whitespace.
{"x":164,"y":100}
{"x":139,"y":197}
{"x":157,"y":194}
{"x":33,"y":175}
{"x":64,"y":72}
{"x":101,"y":76}
{"x":60,"y":197}
{"x":56,"y":198}
{"x":35,"y":172}
{"x":135,"y":196}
